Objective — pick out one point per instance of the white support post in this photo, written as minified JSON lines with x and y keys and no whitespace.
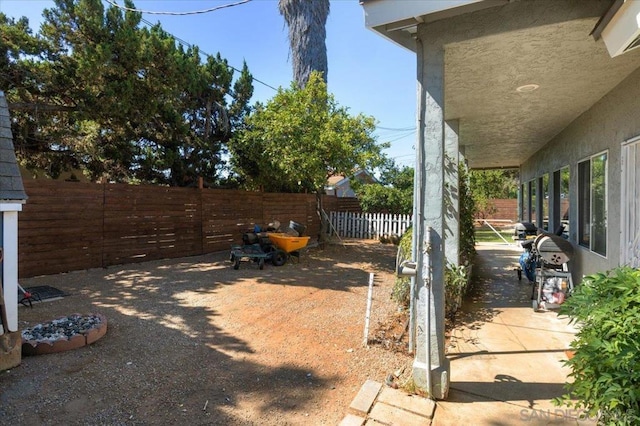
{"x":430,"y":368}
{"x":9,"y":213}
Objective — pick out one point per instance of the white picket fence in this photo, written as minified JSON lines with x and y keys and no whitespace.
{"x":368,"y":225}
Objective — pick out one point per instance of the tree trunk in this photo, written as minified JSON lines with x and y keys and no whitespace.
{"x":306,"y":20}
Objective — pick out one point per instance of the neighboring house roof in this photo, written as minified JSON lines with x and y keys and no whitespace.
{"x":335,"y":179}
{"x":11,"y":187}
{"x":340,"y":185}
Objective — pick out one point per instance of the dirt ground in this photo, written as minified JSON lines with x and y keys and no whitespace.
{"x":192,"y":341}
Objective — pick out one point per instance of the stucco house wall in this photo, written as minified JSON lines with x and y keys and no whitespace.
{"x":605,"y":126}
{"x":537,"y":84}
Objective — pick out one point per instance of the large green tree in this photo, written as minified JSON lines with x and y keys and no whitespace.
{"x":121,"y":101}
{"x":485,"y":185}
{"x":300,"y":138}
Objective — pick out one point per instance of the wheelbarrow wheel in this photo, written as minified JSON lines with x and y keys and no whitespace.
{"x":278,"y":258}
{"x":236,"y":263}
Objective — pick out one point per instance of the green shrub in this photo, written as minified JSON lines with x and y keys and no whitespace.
{"x":606,"y":365}
{"x":467,"y":213}
{"x":401,"y":292}
{"x":456,"y":279}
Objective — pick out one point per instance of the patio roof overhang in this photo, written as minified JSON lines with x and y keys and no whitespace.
{"x":516,"y":72}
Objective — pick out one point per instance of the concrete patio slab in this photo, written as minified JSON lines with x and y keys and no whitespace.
{"x":506,"y":359}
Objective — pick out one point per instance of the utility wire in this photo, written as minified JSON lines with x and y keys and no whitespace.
{"x":401,"y":137}
{"x":186,"y":43}
{"x":396,"y":129}
{"x":194,"y":12}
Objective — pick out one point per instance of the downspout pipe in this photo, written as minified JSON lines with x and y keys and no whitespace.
{"x":427,"y":283}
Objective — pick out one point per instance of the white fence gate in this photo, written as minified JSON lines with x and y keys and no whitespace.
{"x":368,"y":225}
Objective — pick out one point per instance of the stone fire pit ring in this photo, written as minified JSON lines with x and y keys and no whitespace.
{"x":63,"y":334}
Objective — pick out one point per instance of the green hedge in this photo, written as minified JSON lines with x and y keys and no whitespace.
{"x":606,"y":364}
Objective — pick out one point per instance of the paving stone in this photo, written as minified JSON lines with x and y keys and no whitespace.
{"x":413,"y":403}
{"x":352,"y":420}
{"x":389,"y":415}
{"x":365,"y":398}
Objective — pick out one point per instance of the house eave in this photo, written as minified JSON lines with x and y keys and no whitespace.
{"x":398,"y":21}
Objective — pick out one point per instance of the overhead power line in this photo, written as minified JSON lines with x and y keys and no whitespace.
{"x":186,"y":43}
{"x":193,"y":12}
{"x":396,"y":129}
{"x":405,"y":135}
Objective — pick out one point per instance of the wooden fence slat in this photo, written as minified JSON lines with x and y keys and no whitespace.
{"x":67,"y":226}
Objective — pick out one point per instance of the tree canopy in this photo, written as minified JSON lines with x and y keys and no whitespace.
{"x":300,"y":138}
{"x":97,"y":91}
{"x":392,"y":194}
{"x":485,"y":185}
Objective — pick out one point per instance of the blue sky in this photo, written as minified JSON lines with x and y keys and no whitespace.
{"x":367,"y":73}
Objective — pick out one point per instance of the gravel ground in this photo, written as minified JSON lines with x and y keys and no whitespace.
{"x":192,"y":341}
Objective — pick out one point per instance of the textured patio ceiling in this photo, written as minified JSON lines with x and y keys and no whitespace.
{"x":491,"y":52}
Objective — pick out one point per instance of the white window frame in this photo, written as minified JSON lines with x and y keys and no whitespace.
{"x":556,"y":195}
{"x":545,"y":198}
{"x":590,"y":207}
{"x":533,"y":201}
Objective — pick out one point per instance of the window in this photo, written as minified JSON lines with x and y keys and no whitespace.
{"x":534,"y":202}
{"x":564,"y":200}
{"x":592,"y":203}
{"x":525,"y":203}
{"x":545,"y":202}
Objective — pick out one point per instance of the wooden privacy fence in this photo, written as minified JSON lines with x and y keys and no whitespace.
{"x":66,"y":226}
{"x":368,"y":225}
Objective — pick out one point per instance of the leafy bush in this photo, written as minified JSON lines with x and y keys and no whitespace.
{"x":392,"y":193}
{"x":401,"y":292}
{"x":456,"y":279}
{"x":606,"y":366}
{"x":467,"y":213}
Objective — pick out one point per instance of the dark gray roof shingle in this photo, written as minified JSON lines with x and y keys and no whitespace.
{"x":11,"y":187}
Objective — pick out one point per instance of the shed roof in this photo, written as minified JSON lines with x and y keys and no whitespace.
{"x":11,"y":187}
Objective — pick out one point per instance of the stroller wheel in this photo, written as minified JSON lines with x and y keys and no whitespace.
{"x":535,"y":305}
{"x":519,"y":274}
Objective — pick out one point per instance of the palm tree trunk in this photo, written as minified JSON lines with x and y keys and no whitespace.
{"x":306,"y":20}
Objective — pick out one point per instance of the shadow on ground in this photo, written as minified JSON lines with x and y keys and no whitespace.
{"x":165,"y":358}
